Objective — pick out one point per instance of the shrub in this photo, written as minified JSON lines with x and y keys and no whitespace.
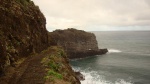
{"x":52,"y":75}
{"x":53,"y":65}
{"x":55,"y":74}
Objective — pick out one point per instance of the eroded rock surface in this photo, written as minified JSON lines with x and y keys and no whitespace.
{"x":77,"y":43}
{"x":22,"y":31}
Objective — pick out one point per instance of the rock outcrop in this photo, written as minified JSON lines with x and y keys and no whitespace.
{"x":80,"y":76}
{"x":22,"y":31}
{"x":86,"y":53}
{"x":76,"y":43}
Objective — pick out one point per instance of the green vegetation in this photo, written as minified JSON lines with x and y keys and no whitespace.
{"x":53,"y":63}
{"x":54,"y":74}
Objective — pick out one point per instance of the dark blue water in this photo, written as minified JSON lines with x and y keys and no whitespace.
{"x":128,"y":60}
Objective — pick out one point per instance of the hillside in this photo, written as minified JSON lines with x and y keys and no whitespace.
{"x":22,"y":31}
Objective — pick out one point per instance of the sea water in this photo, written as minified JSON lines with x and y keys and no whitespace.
{"x":128,"y":60}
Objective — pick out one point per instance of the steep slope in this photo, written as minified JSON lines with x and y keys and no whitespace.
{"x":22,"y":31}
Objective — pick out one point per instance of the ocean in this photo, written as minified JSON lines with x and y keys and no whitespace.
{"x":128,"y":60}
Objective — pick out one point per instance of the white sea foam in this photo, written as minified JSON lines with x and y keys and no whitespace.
{"x":91,"y":77}
{"x":114,"y":51}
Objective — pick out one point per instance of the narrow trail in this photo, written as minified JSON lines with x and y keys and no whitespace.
{"x":31,"y":71}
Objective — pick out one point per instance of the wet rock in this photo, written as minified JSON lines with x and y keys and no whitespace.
{"x":79,"y":76}
{"x":81,"y":54}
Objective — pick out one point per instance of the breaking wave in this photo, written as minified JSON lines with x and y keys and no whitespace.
{"x":92,"y":77}
{"x":114,"y":51}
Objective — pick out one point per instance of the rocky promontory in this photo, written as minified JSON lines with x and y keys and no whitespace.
{"x":76,"y":43}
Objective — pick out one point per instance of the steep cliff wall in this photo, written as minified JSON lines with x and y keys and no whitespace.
{"x":76,"y":43}
{"x":22,"y":31}
{"x":72,"y":39}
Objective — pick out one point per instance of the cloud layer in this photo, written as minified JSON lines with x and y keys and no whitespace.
{"x":96,"y":14}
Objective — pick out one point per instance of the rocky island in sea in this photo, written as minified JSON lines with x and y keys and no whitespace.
{"x":76,"y":43}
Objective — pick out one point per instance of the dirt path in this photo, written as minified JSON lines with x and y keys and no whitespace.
{"x":31,"y":71}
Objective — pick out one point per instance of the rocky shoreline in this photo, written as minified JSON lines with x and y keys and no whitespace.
{"x":82,"y":54}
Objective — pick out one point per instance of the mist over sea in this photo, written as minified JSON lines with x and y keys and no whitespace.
{"x":128,"y":60}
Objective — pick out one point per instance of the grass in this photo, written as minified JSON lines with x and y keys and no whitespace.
{"x":57,"y":67}
{"x":53,"y":63}
{"x":54,"y":74}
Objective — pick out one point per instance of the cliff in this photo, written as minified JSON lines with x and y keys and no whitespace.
{"x":77,"y":43}
{"x":22,"y":31}
{"x":22,"y":36}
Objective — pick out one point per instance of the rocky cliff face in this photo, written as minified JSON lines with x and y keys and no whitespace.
{"x":22,"y":31}
{"x":76,"y":43}
{"x":72,"y":39}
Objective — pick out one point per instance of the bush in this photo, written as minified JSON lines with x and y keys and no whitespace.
{"x":55,"y":74}
{"x":52,"y":75}
{"x":53,"y":65}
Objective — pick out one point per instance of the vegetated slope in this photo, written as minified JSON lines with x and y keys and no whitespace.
{"x":51,"y":66}
{"x":58,"y":68}
{"x":22,"y":31}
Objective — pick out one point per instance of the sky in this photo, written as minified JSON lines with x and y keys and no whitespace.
{"x":96,"y":15}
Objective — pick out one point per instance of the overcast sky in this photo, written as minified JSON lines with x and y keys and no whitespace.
{"x":96,"y":15}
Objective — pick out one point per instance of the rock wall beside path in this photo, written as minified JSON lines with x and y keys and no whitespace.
{"x":22,"y":31}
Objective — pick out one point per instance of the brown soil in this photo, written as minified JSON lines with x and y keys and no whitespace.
{"x":31,"y":71}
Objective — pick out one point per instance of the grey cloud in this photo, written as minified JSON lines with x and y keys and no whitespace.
{"x":143,"y":18}
{"x":81,"y":13}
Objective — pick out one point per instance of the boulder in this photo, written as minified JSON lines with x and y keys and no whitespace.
{"x":79,"y":76}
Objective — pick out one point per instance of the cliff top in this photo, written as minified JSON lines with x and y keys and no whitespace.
{"x":70,"y":35}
